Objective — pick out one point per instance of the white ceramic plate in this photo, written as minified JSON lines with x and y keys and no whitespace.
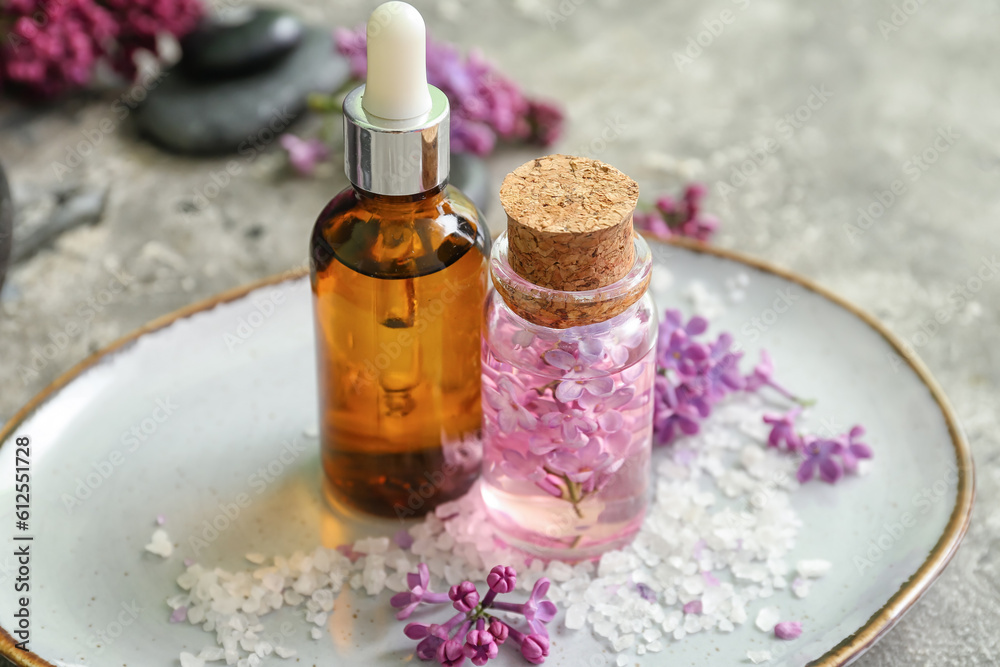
{"x":198,"y":404}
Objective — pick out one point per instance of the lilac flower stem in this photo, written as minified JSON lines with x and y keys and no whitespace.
{"x":509,"y":606}
{"x":435,"y":598}
{"x":453,"y":621}
{"x":804,"y":402}
{"x":573,"y":490}
{"x":514,"y":634}
{"x":462,"y":631}
{"x":488,"y":599}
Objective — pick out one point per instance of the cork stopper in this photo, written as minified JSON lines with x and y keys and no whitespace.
{"x":569,"y":229}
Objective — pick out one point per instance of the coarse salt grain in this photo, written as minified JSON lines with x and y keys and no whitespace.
{"x":757,"y":657}
{"x":160,"y":544}
{"x":767,"y":618}
{"x":813,"y":569}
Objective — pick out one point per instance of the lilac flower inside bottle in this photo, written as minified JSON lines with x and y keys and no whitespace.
{"x":568,"y":362}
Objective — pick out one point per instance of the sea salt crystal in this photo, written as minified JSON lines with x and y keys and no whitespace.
{"x":622,"y":660}
{"x":757,"y":657}
{"x":801,"y":587}
{"x":212,"y":653}
{"x":372,"y":545}
{"x":576,"y":616}
{"x":315,"y":633}
{"x":191,"y":660}
{"x":813,"y":569}
{"x":255,"y":558}
{"x":283,"y":652}
{"x":767,"y":618}
{"x":160,"y":544}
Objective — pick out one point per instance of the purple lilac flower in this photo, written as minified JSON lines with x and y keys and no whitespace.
{"x":534,"y":648}
{"x":693,"y":607}
{"x":451,"y":653}
{"x":671,"y":417}
{"x":418,"y":583}
{"x":304,"y":154}
{"x":684,"y":218}
{"x":499,"y":630}
{"x":605,"y":408}
{"x":821,"y":455}
{"x":501,"y":579}
{"x":854,"y":449}
{"x":479,"y":634}
{"x":783,"y":430}
{"x":480,"y":646}
{"x":52,"y":47}
{"x":464,"y":596}
{"x":788,"y":630}
{"x":537,"y":611}
{"x":510,"y":399}
{"x":572,"y":387}
{"x":574,"y":425}
{"x":581,"y":465}
{"x":645,"y":592}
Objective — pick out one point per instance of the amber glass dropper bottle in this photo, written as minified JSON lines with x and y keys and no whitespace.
{"x":398,"y":277}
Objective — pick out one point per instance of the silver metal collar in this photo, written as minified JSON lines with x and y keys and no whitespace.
{"x":396,"y":157}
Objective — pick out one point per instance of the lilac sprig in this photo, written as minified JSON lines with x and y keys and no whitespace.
{"x":474,"y":633}
{"x":486,"y":107}
{"x":831,"y":458}
{"x":671,"y":217}
{"x":693,"y":375}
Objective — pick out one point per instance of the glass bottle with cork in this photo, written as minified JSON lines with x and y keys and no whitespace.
{"x":568,"y":362}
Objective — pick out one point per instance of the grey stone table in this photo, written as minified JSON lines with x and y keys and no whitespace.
{"x":852,"y":96}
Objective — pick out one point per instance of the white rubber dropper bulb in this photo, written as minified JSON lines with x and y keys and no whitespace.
{"x":397,"y":63}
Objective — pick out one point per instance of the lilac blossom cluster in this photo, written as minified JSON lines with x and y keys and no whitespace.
{"x":684,"y":217}
{"x":53,"y":46}
{"x":473,"y":633}
{"x":486,"y":107}
{"x":694,"y":374}
{"x":571,"y":435}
